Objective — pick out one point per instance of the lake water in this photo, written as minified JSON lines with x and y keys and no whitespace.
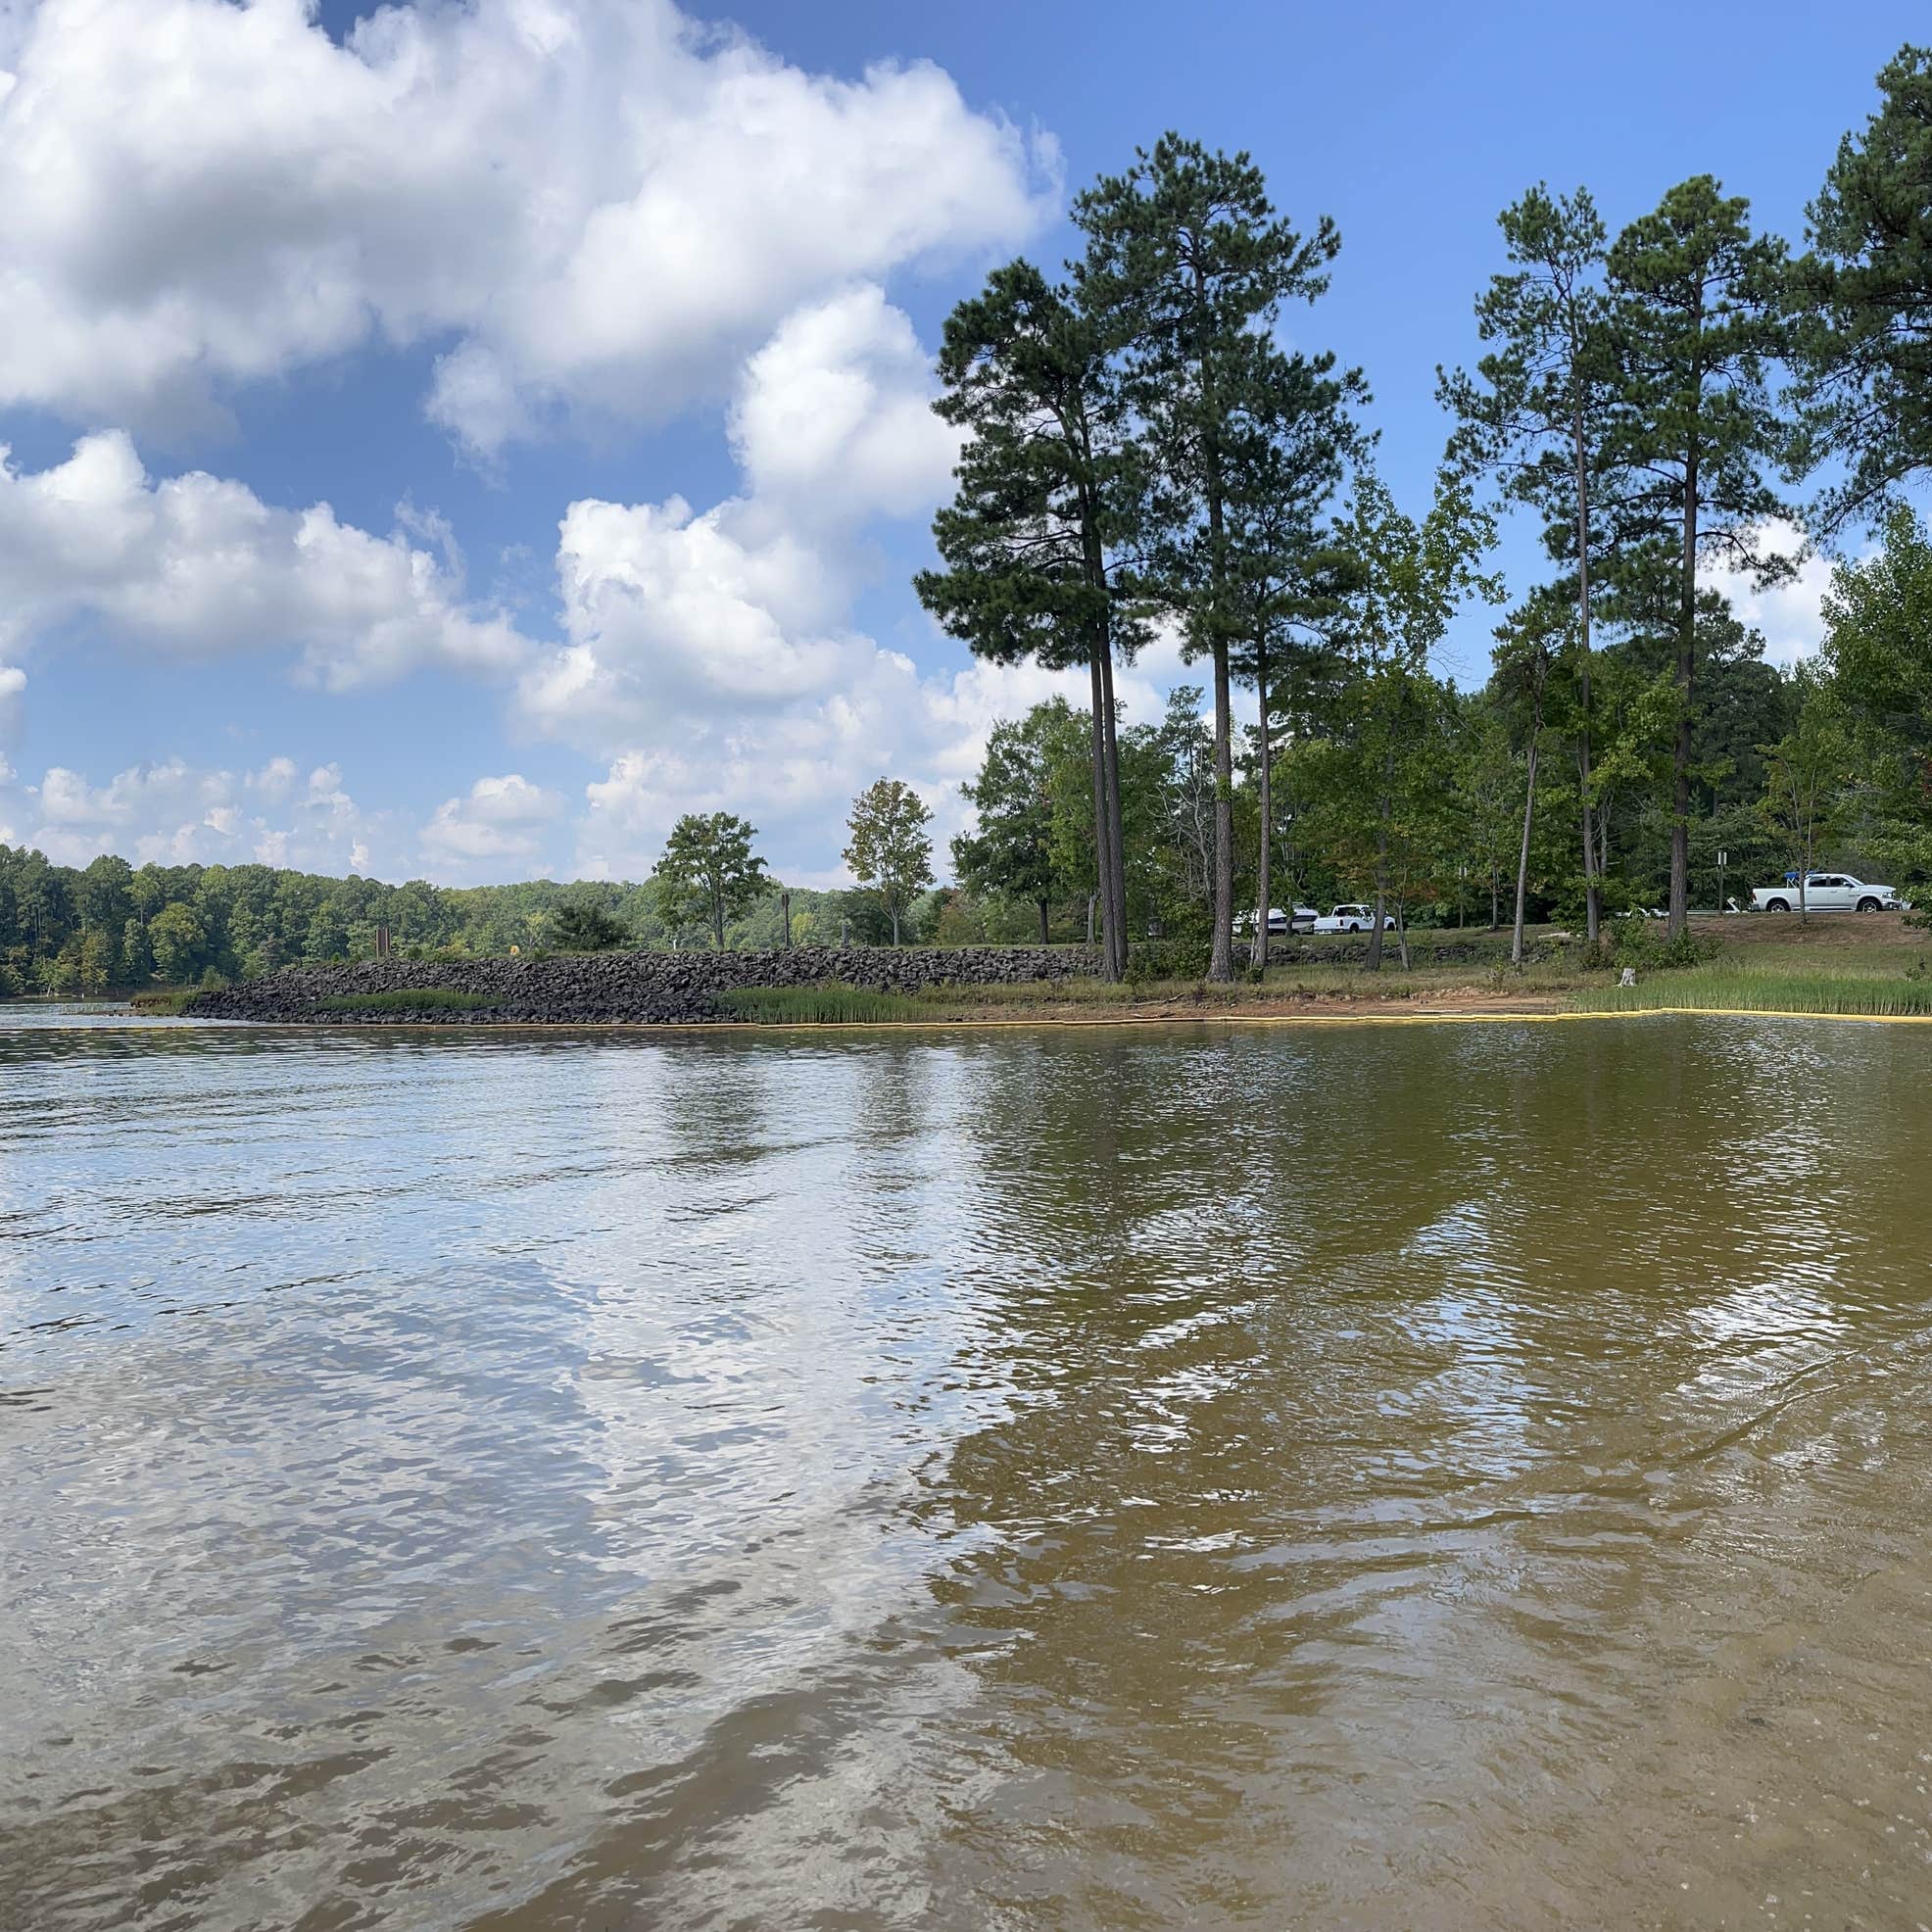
{"x":1388,"y":1477}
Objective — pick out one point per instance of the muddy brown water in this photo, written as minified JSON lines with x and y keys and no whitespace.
{"x":1418,"y":1476}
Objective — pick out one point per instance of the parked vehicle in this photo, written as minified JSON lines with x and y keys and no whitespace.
{"x":1279,"y":924}
{"x":1829,"y":891}
{"x":1353,"y":919}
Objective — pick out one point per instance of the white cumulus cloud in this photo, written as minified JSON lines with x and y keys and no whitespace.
{"x":174,"y":814}
{"x":196,"y":566}
{"x":712,"y":657}
{"x":583,"y":205}
{"x":501,"y":822}
{"x":1790,"y":613}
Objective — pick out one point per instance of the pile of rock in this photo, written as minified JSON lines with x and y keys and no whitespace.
{"x":629,"y":987}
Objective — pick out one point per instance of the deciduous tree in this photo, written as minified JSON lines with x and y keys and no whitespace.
{"x":890,"y":852}
{"x":708,"y":871}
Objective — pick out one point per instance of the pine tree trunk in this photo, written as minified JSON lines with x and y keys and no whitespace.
{"x":1522,"y":856}
{"x":1401,"y":932}
{"x":1221,"y":963}
{"x":1043,"y":922}
{"x":1266,"y":868}
{"x":1116,"y":893}
{"x":1592,"y":885}
{"x":896,"y":923}
{"x":1686,"y":672}
{"x":1102,"y":817}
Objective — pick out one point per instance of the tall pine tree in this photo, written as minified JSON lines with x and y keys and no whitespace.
{"x":1861,"y":300}
{"x":1697,"y":320}
{"x":1537,"y":414}
{"x":1049,"y":499}
{"x":1186,"y":248}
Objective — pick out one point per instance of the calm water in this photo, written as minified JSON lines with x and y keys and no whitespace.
{"x":1396,"y":1478}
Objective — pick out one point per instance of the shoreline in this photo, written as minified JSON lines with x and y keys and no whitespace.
{"x":1336,"y":1014}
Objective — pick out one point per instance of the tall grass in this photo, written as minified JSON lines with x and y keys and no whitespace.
{"x":409,"y":999}
{"x":826,"y":1005}
{"x":163,"y":1001}
{"x":1733,"y":984}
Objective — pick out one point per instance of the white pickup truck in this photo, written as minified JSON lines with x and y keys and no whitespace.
{"x":1828,"y":891}
{"x":1353,"y":919}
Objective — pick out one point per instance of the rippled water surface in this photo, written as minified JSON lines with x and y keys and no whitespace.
{"x":1365,"y":1477}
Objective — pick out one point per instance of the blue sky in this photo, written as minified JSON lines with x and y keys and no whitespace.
{"x":452,"y":443}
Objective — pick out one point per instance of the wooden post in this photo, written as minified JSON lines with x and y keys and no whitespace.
{"x":785,"y":910}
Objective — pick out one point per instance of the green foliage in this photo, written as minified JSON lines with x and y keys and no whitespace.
{"x":1039,"y":541}
{"x":578,"y":926}
{"x":1151,"y":961}
{"x":1808,"y":773}
{"x":708,"y":873}
{"x":1862,"y":353}
{"x":1878,"y":648}
{"x":1643,"y":943}
{"x":1187,"y":249}
{"x":890,"y":850}
{"x":1035,"y":807}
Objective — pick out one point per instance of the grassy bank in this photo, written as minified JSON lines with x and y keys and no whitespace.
{"x":1830,"y":966}
{"x":1826,"y":975}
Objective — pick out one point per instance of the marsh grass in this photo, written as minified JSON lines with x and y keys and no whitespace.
{"x":165,"y":1001}
{"x":1770,"y":983}
{"x":408,"y":999}
{"x":829,"y":1005}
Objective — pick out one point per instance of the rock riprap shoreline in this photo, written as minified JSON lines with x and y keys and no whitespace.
{"x":666,"y":988}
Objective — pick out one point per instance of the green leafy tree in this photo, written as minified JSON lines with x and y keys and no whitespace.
{"x":1859,"y":298}
{"x":1188,"y":244}
{"x":1697,"y":322}
{"x":1487,"y":783}
{"x":1036,"y":542}
{"x":1012,"y":853}
{"x":1878,"y":648}
{"x":583,"y":925}
{"x":179,"y":941}
{"x":709,"y":872}
{"x":1807,"y":773}
{"x":1413,"y":578}
{"x":890,"y":852}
